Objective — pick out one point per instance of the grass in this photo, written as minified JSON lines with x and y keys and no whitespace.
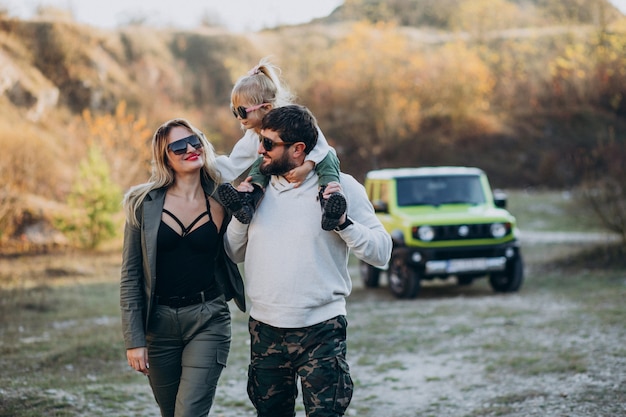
{"x":549,"y":210}
{"x":61,"y":351}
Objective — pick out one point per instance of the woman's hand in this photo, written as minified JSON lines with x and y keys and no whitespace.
{"x":138,"y":359}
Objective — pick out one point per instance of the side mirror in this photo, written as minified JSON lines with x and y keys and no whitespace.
{"x":499,"y":198}
{"x":380,"y":206}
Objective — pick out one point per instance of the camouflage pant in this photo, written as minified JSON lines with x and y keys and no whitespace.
{"x":316,"y":354}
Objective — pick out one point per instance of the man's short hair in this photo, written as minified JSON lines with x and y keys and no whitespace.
{"x":293,"y":123}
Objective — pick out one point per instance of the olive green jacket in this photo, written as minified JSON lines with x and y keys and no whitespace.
{"x":138,"y":275}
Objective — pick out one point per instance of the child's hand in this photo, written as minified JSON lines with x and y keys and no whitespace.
{"x":298,"y":174}
{"x":245,"y":186}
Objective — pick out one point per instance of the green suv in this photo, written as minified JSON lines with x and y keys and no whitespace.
{"x":444,"y":221}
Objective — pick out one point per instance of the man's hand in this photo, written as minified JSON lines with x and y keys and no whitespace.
{"x":334,"y":187}
{"x":246,"y":186}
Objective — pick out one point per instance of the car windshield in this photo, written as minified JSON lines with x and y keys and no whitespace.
{"x":453,"y":189}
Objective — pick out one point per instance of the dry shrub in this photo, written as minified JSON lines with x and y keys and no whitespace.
{"x":29,"y":160}
{"x":603,"y":191}
{"x":124,"y":139}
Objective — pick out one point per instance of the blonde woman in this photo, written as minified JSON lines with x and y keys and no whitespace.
{"x":175,"y":277}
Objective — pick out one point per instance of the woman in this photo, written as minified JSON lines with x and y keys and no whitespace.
{"x":176,"y":278}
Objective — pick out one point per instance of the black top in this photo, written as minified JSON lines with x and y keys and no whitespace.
{"x":186,"y":259}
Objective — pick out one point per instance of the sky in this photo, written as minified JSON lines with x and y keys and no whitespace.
{"x":620,"y":4}
{"x":236,"y":15}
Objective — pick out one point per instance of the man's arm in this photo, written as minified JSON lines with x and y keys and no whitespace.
{"x":236,"y":240}
{"x":366,"y":237}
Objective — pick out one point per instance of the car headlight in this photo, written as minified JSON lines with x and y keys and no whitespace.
{"x":426,"y":233}
{"x":498,"y":230}
{"x":397,"y":236}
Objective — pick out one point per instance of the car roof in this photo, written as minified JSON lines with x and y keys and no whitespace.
{"x":382,"y":174}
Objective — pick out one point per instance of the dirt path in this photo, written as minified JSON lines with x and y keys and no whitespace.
{"x":555,"y":349}
{"x":465,"y":351}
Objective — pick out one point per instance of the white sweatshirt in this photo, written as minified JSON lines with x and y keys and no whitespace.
{"x":245,"y":152}
{"x":296,"y":273}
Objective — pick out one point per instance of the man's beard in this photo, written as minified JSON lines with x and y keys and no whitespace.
{"x":278,"y":166}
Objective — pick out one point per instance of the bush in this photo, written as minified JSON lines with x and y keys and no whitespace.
{"x":604,"y":187}
{"x":94,"y":200}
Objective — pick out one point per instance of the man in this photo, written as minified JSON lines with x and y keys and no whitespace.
{"x":297,"y":275}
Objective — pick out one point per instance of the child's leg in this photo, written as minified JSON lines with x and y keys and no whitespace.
{"x":243,"y":205}
{"x":258,"y":178}
{"x":335,"y":206}
{"x":328,"y":169}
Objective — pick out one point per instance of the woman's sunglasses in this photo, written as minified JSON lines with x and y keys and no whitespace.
{"x":269,"y":144}
{"x":179,"y":147}
{"x":242,"y":111}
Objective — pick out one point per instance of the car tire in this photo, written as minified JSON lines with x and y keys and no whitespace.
{"x":511,"y":279}
{"x":464,"y":280}
{"x":370,"y":275}
{"x":404,"y":281}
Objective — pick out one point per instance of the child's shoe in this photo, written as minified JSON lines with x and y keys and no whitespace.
{"x":241,"y":205}
{"x":332,"y":209}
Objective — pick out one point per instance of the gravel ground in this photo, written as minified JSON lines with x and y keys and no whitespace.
{"x":556,"y":348}
{"x":465,"y":351}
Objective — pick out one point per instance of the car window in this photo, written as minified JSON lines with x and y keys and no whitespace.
{"x":459,"y":189}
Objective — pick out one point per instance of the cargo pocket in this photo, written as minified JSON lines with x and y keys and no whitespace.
{"x":214,"y":370}
{"x":345,"y":386}
{"x":222,"y":357}
{"x":271,"y":389}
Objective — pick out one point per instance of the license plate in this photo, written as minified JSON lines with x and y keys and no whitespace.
{"x":466,"y":265}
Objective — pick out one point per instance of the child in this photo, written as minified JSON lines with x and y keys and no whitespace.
{"x":252,"y":97}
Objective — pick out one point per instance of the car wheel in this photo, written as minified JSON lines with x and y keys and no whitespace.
{"x":404,"y":281}
{"x":464,"y":279}
{"x":370,"y":275}
{"x":511,"y":279}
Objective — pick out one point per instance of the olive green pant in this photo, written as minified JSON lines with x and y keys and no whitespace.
{"x":187,"y":351}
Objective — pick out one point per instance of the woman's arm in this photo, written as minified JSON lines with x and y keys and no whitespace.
{"x":131,"y":289}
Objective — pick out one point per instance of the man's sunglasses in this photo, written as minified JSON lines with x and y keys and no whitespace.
{"x":242,"y":111}
{"x":269,"y":144}
{"x":179,"y":147}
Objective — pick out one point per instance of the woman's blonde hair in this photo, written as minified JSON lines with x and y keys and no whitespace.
{"x":262,"y":84}
{"x":162,"y":174}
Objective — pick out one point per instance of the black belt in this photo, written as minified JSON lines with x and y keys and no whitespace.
{"x":188,"y":300}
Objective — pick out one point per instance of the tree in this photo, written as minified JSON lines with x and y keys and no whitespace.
{"x":123,"y":140}
{"x":368,"y":87}
{"x":479,"y":17}
{"x":93,"y":201}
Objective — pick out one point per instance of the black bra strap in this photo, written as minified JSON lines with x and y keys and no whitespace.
{"x":193,"y":223}
{"x":208,"y":208}
{"x":186,"y":230}
{"x":182,"y":226}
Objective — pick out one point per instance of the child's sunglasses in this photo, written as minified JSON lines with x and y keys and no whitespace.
{"x":242,"y":111}
{"x":269,"y":144}
{"x":179,"y":147}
